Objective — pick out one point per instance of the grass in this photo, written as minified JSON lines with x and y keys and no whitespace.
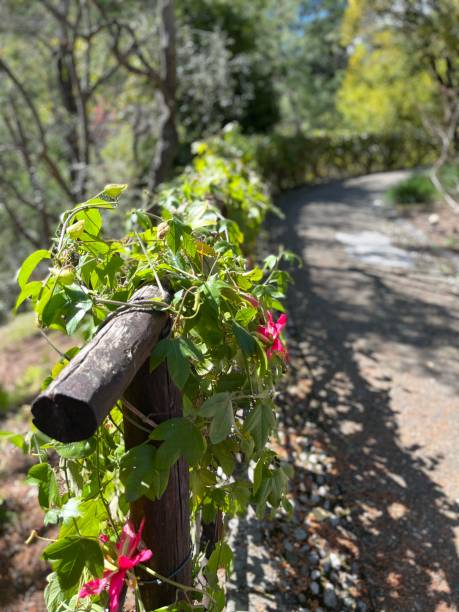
{"x":415,"y":190}
{"x":19,"y":328}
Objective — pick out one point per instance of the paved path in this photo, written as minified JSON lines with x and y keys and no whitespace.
{"x":381,"y":321}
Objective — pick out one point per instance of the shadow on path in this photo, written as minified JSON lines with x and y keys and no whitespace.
{"x":405,"y":521}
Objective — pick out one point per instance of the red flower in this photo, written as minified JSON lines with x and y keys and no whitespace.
{"x":271,"y":333}
{"x":126,"y":560}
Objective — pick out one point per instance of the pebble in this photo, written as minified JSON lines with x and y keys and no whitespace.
{"x":348,"y":602}
{"x":362,"y":606}
{"x":288,"y":546}
{"x":315,"y":588}
{"x":315,"y":574}
{"x":330,"y":599}
{"x":313,"y":558}
{"x":300,"y":534}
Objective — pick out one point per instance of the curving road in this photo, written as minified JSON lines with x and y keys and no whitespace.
{"x":381,"y":322}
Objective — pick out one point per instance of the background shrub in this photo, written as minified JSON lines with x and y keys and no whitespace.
{"x":417,"y":189}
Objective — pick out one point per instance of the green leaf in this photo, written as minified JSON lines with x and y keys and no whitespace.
{"x":80,"y":310}
{"x":245,"y":341}
{"x":258,"y":475}
{"x":246,"y":314}
{"x":43,"y":476}
{"x":16,"y":439}
{"x":54,"y":596}
{"x":29,"y":265}
{"x":136,"y":469}
{"x":181,"y":437}
{"x":177,"y":363}
{"x":92,"y":517}
{"x":69,"y":556}
{"x":30,"y":290}
{"x":92,"y":221}
{"x":76,"y":450}
{"x":159,"y":353}
{"x":174,"y":236}
{"x":224,"y":455}
{"x":260,"y":423}
{"x":219,"y":408}
{"x":221,"y":558}
{"x":53,"y":308}
{"x":214,"y":288}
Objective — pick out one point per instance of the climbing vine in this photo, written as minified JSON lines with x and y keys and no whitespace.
{"x":225,"y":353}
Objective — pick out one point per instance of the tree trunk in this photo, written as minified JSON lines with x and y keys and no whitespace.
{"x":166,"y":148}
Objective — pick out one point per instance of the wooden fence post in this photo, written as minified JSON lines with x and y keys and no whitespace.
{"x":167,"y":520}
{"x":115,"y":363}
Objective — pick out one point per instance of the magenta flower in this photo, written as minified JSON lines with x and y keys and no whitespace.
{"x":126,"y":560}
{"x":271,"y":333}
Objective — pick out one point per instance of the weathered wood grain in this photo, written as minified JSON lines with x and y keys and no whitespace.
{"x":75,"y":404}
{"x":167,"y":520}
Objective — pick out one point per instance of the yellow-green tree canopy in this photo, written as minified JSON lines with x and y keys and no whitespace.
{"x":380,"y":90}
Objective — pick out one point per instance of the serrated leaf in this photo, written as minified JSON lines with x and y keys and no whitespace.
{"x":92,"y":517}
{"x":260,"y":423}
{"x":136,"y":469}
{"x":53,"y":595}
{"x":69,"y":556}
{"x":180,"y":437}
{"x":219,"y":408}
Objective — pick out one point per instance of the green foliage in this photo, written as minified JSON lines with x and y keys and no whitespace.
{"x":194,"y":243}
{"x":417,"y":189}
{"x":69,"y":556}
{"x":449,"y":177}
{"x":290,"y":161}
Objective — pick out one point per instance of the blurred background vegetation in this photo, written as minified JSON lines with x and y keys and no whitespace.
{"x":99,"y":91}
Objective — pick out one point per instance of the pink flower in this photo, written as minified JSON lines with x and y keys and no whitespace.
{"x":271,"y":333}
{"x":126,"y":560}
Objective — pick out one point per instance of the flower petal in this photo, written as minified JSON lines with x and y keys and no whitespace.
{"x":281,"y":321}
{"x":114,"y":591}
{"x":137,"y":537}
{"x":94,"y":587}
{"x":127,"y":563}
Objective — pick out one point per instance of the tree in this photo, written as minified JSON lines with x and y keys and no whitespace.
{"x":425,"y":33}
